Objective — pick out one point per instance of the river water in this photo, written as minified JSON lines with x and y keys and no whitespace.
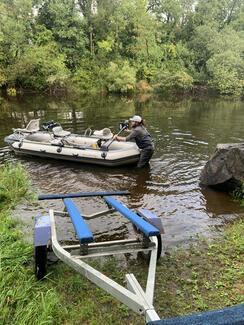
{"x":185,"y":132}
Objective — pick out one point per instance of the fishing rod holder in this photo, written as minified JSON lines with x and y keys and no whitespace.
{"x":124,"y":125}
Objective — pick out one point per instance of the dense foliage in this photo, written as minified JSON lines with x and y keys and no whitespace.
{"x":113,"y":45}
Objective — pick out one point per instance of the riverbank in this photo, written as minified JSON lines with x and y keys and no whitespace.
{"x":205,"y":276}
{"x":141,"y":89}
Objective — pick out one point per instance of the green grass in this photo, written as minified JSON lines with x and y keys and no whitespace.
{"x":238,"y":194}
{"x":206,"y":276}
{"x":14,"y":186}
{"x":203,"y":277}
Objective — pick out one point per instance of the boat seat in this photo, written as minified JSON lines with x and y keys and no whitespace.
{"x":31,"y":127}
{"x":227,"y":316}
{"x":82,"y":230}
{"x":148,"y":229}
{"x":59,"y":132}
{"x":104,"y":134}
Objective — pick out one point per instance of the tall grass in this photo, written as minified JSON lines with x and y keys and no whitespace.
{"x":14,"y":185}
{"x":22,"y":298}
{"x":239,"y":194}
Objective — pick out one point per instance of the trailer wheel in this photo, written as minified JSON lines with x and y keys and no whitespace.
{"x":40,"y":262}
{"x":159,"y":248}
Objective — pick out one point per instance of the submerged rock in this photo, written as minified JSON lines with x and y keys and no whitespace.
{"x":225,"y":169}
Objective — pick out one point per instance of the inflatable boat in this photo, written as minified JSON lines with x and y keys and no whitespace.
{"x":51,"y":141}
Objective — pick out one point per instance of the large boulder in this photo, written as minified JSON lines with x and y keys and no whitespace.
{"x":225,"y":169}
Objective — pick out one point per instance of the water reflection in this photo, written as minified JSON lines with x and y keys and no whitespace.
{"x":139,"y":187}
{"x":213,"y":201}
{"x":185,"y":132}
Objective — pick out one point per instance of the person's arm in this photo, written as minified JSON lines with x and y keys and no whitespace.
{"x":118,"y":138}
{"x":132,"y":135}
{"x":129,"y":137}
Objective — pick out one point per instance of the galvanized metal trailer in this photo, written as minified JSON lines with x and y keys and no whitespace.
{"x":148,"y":229}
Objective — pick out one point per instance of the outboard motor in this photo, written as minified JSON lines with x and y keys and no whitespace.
{"x":124,"y":125}
{"x":48,"y":126}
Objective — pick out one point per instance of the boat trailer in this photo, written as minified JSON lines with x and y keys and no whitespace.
{"x":148,"y":229}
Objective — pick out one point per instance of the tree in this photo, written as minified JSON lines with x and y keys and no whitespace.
{"x":218,"y":12}
{"x":200,"y":44}
{"x":120,"y":78}
{"x":226,"y":65}
{"x":65,"y":23}
{"x":223,"y":69}
{"x":15,"y":29}
{"x":40,"y":67}
{"x":170,"y":43}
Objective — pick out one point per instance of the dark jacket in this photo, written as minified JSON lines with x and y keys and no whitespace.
{"x":141,"y":136}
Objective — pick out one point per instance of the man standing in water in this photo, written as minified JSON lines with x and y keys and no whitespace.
{"x":143,"y":139}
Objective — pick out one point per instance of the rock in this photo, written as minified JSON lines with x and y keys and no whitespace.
{"x":225,"y":169}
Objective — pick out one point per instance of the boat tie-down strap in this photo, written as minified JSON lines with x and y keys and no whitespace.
{"x":148,"y":229}
{"x":82,"y":230}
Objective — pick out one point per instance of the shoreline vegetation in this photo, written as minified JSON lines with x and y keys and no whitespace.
{"x":238,"y":194}
{"x":208,"y":275}
{"x":123,"y":46}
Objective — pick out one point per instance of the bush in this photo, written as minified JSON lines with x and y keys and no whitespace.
{"x":89,"y":76}
{"x":145,"y":71}
{"x":3,"y":78}
{"x":11,"y":92}
{"x":39,"y":67}
{"x":167,"y":80}
{"x":226,"y":71}
{"x":121,"y":78}
{"x":143,"y":86}
{"x":57,"y":81}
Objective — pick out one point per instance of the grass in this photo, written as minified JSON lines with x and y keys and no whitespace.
{"x":238,"y":194}
{"x":14,"y":185}
{"x":206,"y":276}
{"x":22,"y":299}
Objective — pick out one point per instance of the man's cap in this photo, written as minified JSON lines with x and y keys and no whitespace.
{"x":136,"y":118}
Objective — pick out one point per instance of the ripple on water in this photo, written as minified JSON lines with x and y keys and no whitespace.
{"x":185,"y":135}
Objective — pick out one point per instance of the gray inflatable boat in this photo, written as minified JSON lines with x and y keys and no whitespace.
{"x":51,"y":141}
